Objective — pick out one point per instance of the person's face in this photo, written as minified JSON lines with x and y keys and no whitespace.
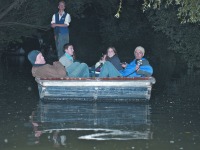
{"x":70,"y":50}
{"x":61,"y":6}
{"x":110,"y":52}
{"x":138,"y":54}
{"x":40,"y":59}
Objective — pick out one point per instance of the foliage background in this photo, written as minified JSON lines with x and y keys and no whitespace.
{"x":176,"y":22}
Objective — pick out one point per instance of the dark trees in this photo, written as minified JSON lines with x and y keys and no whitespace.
{"x":23,"y":18}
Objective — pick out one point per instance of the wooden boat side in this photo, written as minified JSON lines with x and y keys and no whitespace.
{"x":95,"y":88}
{"x":96,"y":81}
{"x":98,"y":78}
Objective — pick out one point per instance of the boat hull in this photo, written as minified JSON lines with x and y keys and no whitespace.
{"x":95,"y":89}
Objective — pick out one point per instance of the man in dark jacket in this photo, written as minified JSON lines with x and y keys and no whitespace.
{"x":42,"y":70}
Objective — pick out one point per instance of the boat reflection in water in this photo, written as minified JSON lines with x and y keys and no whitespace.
{"x":103,"y":121}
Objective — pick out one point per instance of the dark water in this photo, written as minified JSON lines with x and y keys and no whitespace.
{"x":170,"y":121}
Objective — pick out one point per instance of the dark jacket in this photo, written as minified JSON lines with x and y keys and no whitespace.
{"x":115,"y":61}
{"x":57,"y":70}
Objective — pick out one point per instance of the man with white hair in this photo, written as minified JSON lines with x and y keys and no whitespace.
{"x":139,"y":67}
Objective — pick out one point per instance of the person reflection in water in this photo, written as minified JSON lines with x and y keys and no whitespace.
{"x":56,"y":136}
{"x":42,"y":70}
{"x":34,"y":137}
{"x":139,"y":67}
{"x":58,"y":139}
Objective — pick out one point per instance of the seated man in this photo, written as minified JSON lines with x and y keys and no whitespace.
{"x":139,"y":67}
{"x":42,"y":70}
{"x":74,"y":69}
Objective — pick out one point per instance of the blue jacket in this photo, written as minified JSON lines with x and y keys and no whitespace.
{"x":61,"y":30}
{"x":145,"y":69}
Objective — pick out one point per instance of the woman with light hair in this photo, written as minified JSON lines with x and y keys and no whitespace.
{"x":139,"y":67}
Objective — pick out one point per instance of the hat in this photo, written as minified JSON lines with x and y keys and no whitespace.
{"x":32,"y":56}
{"x":140,"y":48}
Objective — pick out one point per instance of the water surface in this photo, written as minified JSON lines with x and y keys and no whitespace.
{"x":169,"y":121}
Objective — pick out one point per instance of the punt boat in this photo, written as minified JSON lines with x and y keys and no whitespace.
{"x":95,"y":89}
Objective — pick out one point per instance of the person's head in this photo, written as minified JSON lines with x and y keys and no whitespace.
{"x":61,"y":5}
{"x":111,"y":51}
{"x":69,"y":49}
{"x":139,"y":52}
{"x":36,"y":58}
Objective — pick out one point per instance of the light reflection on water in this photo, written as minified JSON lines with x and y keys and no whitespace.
{"x":169,"y":121}
{"x":111,"y":121}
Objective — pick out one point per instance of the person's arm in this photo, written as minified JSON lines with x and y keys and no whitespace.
{"x":60,"y":69}
{"x":145,"y":73}
{"x":145,"y":69}
{"x":66,"y":23}
{"x":53,"y":19}
{"x":67,"y":19}
{"x":58,"y":25}
{"x":53,"y":23}
{"x":130,"y":68}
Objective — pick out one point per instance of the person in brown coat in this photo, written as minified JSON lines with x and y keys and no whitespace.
{"x":42,"y":70}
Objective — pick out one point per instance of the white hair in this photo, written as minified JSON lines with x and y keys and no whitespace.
{"x":140,"y":48}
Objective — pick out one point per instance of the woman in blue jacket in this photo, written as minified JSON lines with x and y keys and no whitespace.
{"x":139,"y":67}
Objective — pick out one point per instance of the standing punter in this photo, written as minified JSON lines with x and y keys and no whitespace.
{"x":60,"y":22}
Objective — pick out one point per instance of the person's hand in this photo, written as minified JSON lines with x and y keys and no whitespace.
{"x":103,"y":58}
{"x":102,"y":61}
{"x":124,"y":64}
{"x":53,"y":25}
{"x":137,"y":67}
